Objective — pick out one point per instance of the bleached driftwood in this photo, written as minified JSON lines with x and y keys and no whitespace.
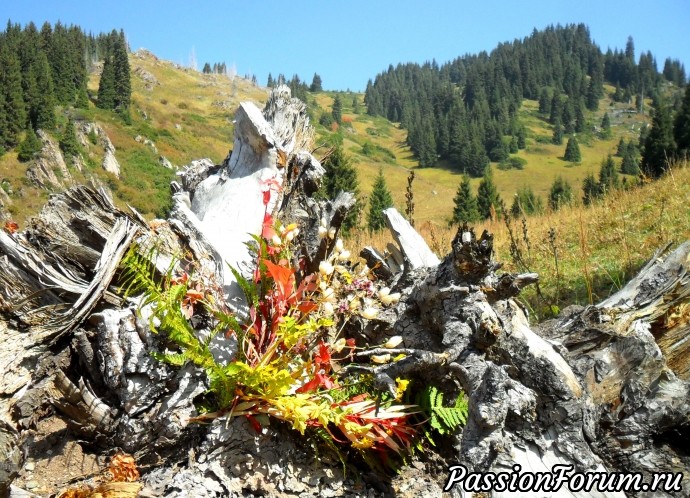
{"x":601,"y":388}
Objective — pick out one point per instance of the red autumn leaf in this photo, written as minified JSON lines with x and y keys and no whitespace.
{"x":284,"y":279}
{"x":312,"y":385}
{"x":268,"y":187}
{"x":320,"y":380}
{"x":306,"y":307}
{"x":324,"y":356}
{"x":267,"y":231}
{"x":11,"y":227}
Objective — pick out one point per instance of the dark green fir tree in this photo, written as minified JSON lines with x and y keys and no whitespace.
{"x":29,"y":147}
{"x":608,"y":176}
{"x":659,"y":144}
{"x":572,"y":151}
{"x":488,"y":199}
{"x":337,"y":110}
{"x":380,"y":199}
{"x":341,"y":176}
{"x":681,"y":126}
{"x":590,"y":189}
{"x":561,"y":194}
{"x":465,"y":209}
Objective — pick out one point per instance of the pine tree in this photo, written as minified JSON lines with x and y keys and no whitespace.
{"x":337,"y":110}
{"x":316,"y":85}
{"x":380,"y":199}
{"x":572,"y":151}
{"x":270,"y":83}
{"x":659,"y":145}
{"x":341,"y":176}
{"x":608,"y":176}
{"x":561,"y":194}
{"x":488,"y":199}
{"x":681,"y":125}
{"x":465,"y":210}
{"x":29,"y":147}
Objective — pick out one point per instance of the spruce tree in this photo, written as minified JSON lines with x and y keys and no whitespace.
{"x":341,"y":176}
{"x":355,"y":105}
{"x":316,"y":85}
{"x":487,"y":195}
{"x":380,"y":199}
{"x":465,"y":210}
{"x":521,"y":138}
{"x":544,"y":102}
{"x":590,"y":189}
{"x":68,"y":141}
{"x":681,"y":125}
{"x":106,"y":88}
{"x":12,"y":104}
{"x":606,"y":126}
{"x":42,"y":108}
{"x":561,"y":194}
{"x":580,"y":121}
{"x":525,"y":203}
{"x":270,"y":83}
{"x":659,"y":145}
{"x":4,"y":140}
{"x":29,"y":147}
{"x":557,"y":138}
{"x":630,"y":164}
{"x":123,"y":84}
{"x":608,"y":176}
{"x":337,"y":110}
{"x":572,"y":151}
{"x":513,"y":146}
{"x":621,"y":147}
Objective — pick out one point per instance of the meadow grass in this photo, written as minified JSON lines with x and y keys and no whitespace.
{"x":582,"y":253}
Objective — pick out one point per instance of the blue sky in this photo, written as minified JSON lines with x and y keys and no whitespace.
{"x":349,"y":42}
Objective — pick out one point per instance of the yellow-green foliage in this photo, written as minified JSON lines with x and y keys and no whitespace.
{"x":283,"y":367}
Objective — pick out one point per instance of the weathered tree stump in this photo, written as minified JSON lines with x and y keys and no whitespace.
{"x":602,"y":388}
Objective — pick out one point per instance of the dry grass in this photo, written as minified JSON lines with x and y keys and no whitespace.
{"x":594,"y":250}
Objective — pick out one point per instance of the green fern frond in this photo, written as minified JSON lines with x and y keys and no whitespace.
{"x":442,"y":419}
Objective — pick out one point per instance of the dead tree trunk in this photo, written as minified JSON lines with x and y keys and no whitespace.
{"x":602,"y":388}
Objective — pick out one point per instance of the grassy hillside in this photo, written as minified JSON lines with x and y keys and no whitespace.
{"x":187,"y":115}
{"x":435,"y":188}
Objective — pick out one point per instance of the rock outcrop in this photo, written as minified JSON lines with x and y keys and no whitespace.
{"x":49,"y":171}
